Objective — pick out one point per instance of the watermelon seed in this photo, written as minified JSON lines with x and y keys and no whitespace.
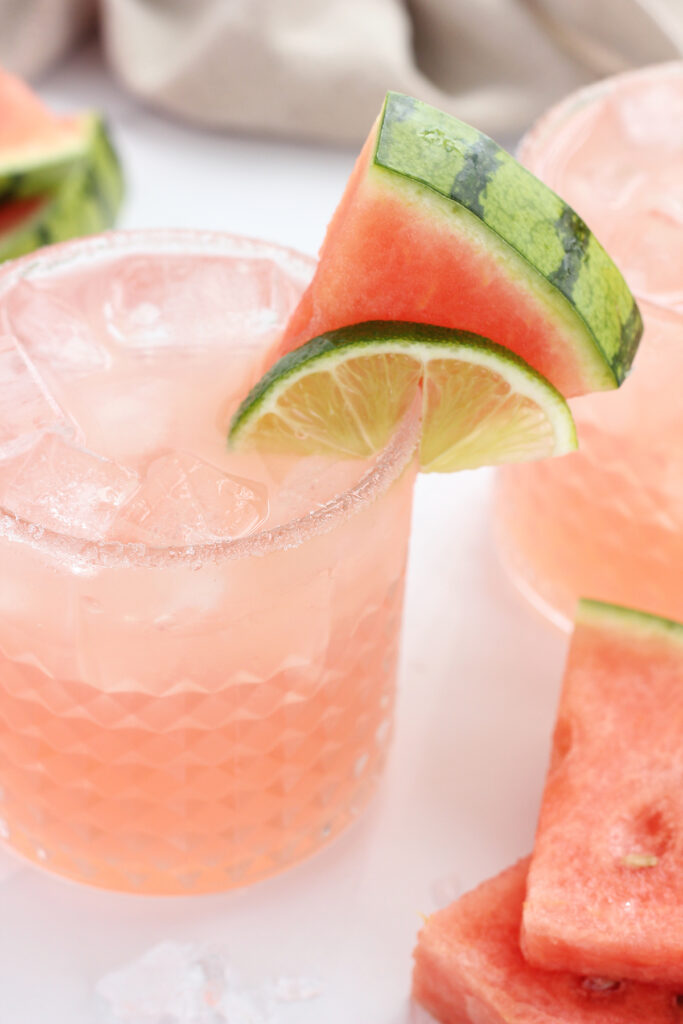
{"x":600,"y":986}
{"x":642,"y":839}
{"x":678,"y":1002}
{"x":639,"y":860}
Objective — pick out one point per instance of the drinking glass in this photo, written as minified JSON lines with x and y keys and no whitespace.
{"x":194,"y":715}
{"x":607,"y":521}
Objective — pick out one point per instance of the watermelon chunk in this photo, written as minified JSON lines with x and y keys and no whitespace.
{"x":440,"y":225}
{"x":469,"y":969}
{"x":606,"y":880}
{"x":37,"y":147}
{"x":85,"y":202}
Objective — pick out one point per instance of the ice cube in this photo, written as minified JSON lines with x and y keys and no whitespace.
{"x":191,"y":303}
{"x":65,"y":488}
{"x":27,"y":409}
{"x":651,"y":117}
{"x":593,"y":185}
{"x":163,"y":985}
{"x":184,"y":500}
{"x":649,"y":242}
{"x":132,"y":416}
{"x":175,"y":983}
{"x":53,"y":332}
{"x":310,"y":483}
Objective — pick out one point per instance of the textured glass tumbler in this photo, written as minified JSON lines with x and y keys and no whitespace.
{"x":607,"y":522}
{"x":193,"y":718}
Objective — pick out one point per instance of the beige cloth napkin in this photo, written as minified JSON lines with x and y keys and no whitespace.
{"x":34,"y":34}
{"x":319,"y":68}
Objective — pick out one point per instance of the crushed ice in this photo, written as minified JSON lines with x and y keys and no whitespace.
{"x":55,"y":334}
{"x":27,"y":409}
{"x":185,"y":500}
{"x":175,"y":983}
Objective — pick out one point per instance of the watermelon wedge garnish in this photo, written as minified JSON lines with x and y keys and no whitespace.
{"x":439,"y":225}
{"x":59,"y":176}
{"x":469,"y":969}
{"x":606,"y":880}
{"x":37,"y":147}
{"x":86,"y":202}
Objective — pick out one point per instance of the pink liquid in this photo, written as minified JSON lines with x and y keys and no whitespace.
{"x":197,"y":648}
{"x":607,"y":522}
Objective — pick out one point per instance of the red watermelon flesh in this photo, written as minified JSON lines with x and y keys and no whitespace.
{"x":16,"y":212}
{"x":606,"y":880}
{"x":26,"y":121}
{"x":469,"y":969}
{"x":382,"y":262}
{"x":439,"y":225}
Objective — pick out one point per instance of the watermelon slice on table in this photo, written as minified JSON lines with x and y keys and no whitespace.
{"x":606,"y":881}
{"x":469,"y":969}
{"x":37,"y":147}
{"x":440,"y":225}
{"x":86,"y":202}
{"x":59,"y":176}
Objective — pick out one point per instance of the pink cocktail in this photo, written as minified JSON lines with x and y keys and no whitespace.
{"x":197,"y":648}
{"x":607,"y":522}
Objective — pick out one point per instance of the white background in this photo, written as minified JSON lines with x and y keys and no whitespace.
{"x":478,"y":685}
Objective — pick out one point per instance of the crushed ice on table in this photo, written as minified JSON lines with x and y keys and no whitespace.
{"x":27,"y":409}
{"x":175,"y":983}
{"x":160,"y":304}
{"x":184,"y":500}
{"x":53,"y":333}
{"x":63,"y":487}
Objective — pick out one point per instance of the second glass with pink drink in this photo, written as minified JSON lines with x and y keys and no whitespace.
{"x":607,"y":522}
{"x":197,"y":648}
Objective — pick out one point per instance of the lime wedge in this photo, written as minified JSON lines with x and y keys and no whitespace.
{"x":345,"y":393}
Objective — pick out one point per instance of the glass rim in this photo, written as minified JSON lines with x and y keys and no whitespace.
{"x":538,"y":138}
{"x":84,"y":553}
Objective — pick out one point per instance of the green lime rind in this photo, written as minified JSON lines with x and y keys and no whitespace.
{"x":590,"y":612}
{"x":406,"y":356}
{"x":465,"y":167}
{"x":86,"y":202}
{"x":38,"y":169}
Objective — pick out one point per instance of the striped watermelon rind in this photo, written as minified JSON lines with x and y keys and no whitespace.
{"x":36,"y":169}
{"x":507,"y":207}
{"x":629,"y":620}
{"x":86,"y":201}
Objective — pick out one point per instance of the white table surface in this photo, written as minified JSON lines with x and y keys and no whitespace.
{"x":478,"y":685}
